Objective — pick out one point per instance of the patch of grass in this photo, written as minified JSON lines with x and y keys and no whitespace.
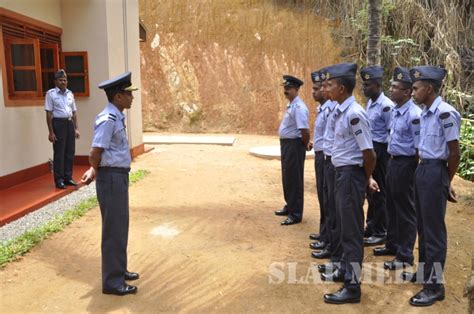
{"x":21,"y":245}
{"x":138,"y":175}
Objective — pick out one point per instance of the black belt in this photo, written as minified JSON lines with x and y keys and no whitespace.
{"x":433,"y":162}
{"x":63,"y":119}
{"x":290,"y":139}
{"x":349,"y":167}
{"x":402,"y":157}
{"x":380,"y":144}
{"x":327,"y":157}
{"x":114,"y":169}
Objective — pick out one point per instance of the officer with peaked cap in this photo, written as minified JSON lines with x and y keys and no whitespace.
{"x":439,"y":155}
{"x":61,"y":118}
{"x":318,"y":133}
{"x":334,"y":249}
{"x":294,"y":141}
{"x":354,"y":160}
{"x":400,"y":179}
{"x":110,"y":164}
{"x":379,"y":109}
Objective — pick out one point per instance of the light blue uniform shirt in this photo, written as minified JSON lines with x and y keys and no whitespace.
{"x":440,"y":123}
{"x":351,"y":134}
{"x":296,"y":118}
{"x":379,"y":113}
{"x":110,"y":134}
{"x":320,"y":125}
{"x":404,"y":130}
{"x":328,"y":139}
{"x":62,"y":105}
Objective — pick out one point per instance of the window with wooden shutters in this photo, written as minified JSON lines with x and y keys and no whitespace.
{"x":49,"y":64}
{"x":23,"y":67}
{"x":31,"y":55}
{"x":76,"y":66}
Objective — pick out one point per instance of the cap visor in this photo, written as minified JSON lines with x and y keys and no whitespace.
{"x":131,"y":88}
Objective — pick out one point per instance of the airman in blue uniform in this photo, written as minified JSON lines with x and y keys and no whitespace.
{"x":379,"y":109}
{"x":110,"y":164}
{"x":334,"y":249}
{"x":294,"y":141}
{"x":317,"y":144}
{"x":439,"y":159}
{"x":61,"y":117}
{"x":354,"y":160}
{"x":400,"y":179}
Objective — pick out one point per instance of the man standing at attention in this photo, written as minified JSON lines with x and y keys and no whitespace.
{"x":318,"y":133}
{"x":61,"y":119}
{"x":402,"y":147}
{"x":294,"y":141}
{"x":354,"y":160}
{"x":379,"y":109}
{"x":439,"y":155}
{"x":110,"y":164}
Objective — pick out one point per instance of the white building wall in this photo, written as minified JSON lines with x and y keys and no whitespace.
{"x":95,"y":26}
{"x":23,"y":131}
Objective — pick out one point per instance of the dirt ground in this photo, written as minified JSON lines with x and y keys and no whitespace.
{"x":204,"y":238}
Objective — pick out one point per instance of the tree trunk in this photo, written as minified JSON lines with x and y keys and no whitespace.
{"x":373,"y":43}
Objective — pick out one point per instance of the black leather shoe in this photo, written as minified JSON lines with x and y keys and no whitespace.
{"x":326,"y":268}
{"x":60,"y":185}
{"x":314,"y":236}
{"x":290,"y":221}
{"x":321,"y":254}
{"x":282,"y":212}
{"x":383,"y":251}
{"x":70,"y":182}
{"x":336,"y":276}
{"x":131,"y":276}
{"x":396,"y":264}
{"x":367,"y":233}
{"x":318,"y":245}
{"x":344,"y":295}
{"x":123,"y":290}
{"x":408,"y":276}
{"x":427,"y":297}
{"x":374,"y":240}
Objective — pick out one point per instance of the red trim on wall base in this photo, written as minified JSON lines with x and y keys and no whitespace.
{"x":81,"y":160}
{"x":34,"y":172}
{"x":23,"y":175}
{"x":137,"y":150}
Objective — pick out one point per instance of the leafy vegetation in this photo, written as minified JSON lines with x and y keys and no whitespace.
{"x":466,"y":166}
{"x":19,"y":246}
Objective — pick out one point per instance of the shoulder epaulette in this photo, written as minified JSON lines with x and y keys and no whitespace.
{"x":112,"y":117}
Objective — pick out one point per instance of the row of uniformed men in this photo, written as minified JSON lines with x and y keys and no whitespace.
{"x":401,"y":157}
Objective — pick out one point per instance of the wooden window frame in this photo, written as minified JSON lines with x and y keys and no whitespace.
{"x":11,"y":68}
{"x":50,"y":34}
{"x":55,"y":48}
{"x":84,"y":74}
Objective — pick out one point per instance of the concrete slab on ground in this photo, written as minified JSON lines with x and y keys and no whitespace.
{"x":273,"y":152}
{"x":153,"y":138}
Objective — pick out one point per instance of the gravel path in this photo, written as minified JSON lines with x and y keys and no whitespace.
{"x":44,"y":214}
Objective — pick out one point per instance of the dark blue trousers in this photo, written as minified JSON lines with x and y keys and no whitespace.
{"x":350,"y":191}
{"x":112,"y":193}
{"x":401,"y":224}
{"x":293,"y":154}
{"x":319,"y":171}
{"x":431,"y":195}
{"x":377,"y":210}
{"x":332,"y":218}
{"x":64,"y":149}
